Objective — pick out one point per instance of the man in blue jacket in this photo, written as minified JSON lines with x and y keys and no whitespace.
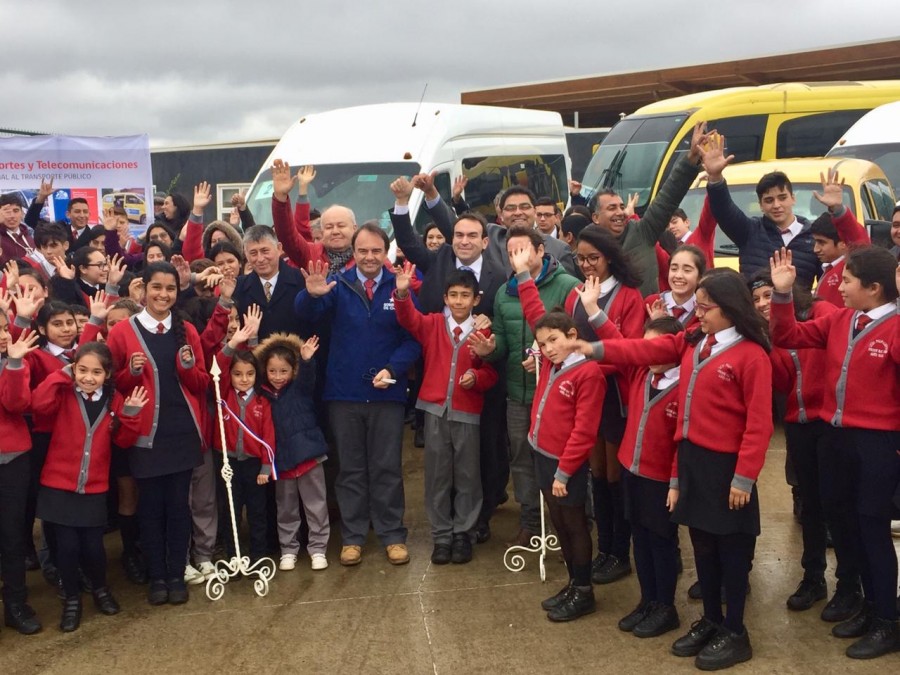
{"x":365,"y":387}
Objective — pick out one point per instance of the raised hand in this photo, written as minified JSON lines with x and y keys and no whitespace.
{"x":138,"y":398}
{"x":425,"y":182}
{"x":116,"y":270}
{"x":282,"y":181}
{"x":309,"y":348}
{"x":480,"y":345}
{"x":211,"y":276}
{"x":713,"y":154}
{"x":99,"y":309}
{"x":234,"y":217}
{"x":783,"y":272}
{"x":832,"y":195}
{"x":520,"y":258}
{"x":227,"y":284}
{"x":574,"y":187}
{"x":27,"y":342}
{"x":402,"y":189}
{"x":109,"y":220}
{"x":45,"y":190}
{"x":239,"y":201}
{"x":6,"y":301}
{"x":242,"y":335}
{"x":184,"y":270}
{"x":657,"y":309}
{"x":589,"y":294}
{"x":27,"y":304}
{"x":252,"y":318}
{"x":403,"y":276}
{"x":459,"y":184}
{"x":202,"y":198}
{"x":11,"y":274}
{"x":306,"y":175}
{"x":63,"y":270}
{"x":632,"y":203}
{"x":136,"y":290}
{"x":317,"y":279}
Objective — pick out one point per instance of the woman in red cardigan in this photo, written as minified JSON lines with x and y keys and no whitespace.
{"x":160,"y":351}
{"x":724,"y":427}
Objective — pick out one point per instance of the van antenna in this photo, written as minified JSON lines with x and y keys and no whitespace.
{"x":416,"y":116}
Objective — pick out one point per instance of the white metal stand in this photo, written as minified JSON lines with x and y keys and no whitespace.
{"x":225,"y":570}
{"x":541,"y":543}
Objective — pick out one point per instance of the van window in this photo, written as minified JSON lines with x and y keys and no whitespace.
{"x":544,"y":175}
{"x":813,"y":135}
{"x":442,"y":183}
{"x":885,"y":155}
{"x":882,"y":197}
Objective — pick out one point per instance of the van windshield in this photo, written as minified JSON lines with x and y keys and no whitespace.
{"x":362,"y":187}
{"x":629,"y":158}
{"x":885,"y":155}
{"x":745,"y":198}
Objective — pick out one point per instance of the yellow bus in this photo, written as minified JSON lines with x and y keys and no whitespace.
{"x":767,"y":122}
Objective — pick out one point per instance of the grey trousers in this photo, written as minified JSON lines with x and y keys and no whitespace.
{"x":310,"y":490}
{"x":369,"y":485}
{"x":521,"y":465}
{"x":452,"y":463}
{"x":204,"y":514}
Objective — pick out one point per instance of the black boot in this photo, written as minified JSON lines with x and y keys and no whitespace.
{"x":71,"y":614}
{"x":725,"y":650}
{"x":105,"y":602}
{"x":553,"y":601}
{"x":857,"y":625}
{"x":883,"y":638}
{"x":692,"y":642}
{"x":579,"y":601}
{"x":21,"y":617}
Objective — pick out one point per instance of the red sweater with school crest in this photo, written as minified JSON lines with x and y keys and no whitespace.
{"x":852,"y":234}
{"x":862,"y":372}
{"x":724,"y":402}
{"x":79,"y":454}
{"x":15,"y":397}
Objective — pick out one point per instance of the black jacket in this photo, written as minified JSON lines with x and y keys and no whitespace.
{"x":278,"y":314}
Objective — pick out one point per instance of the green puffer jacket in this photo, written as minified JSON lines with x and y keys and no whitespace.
{"x":512,"y":332}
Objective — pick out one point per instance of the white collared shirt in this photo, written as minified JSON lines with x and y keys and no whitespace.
{"x":150,"y":323}
{"x":671,"y":304}
{"x":608,"y":285}
{"x":56,"y":350}
{"x":93,"y":396}
{"x":723,"y":338}
{"x":247,"y":394}
{"x":474,"y":266}
{"x":669,"y":377}
{"x":363,"y":278}
{"x":467,"y":326}
{"x":792,"y":231}
{"x":837,"y":261}
{"x":878,"y":312}
{"x":571,"y":360}
{"x":272,"y":280}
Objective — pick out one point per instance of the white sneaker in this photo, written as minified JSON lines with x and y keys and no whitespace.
{"x":895,"y":528}
{"x":318,"y":561}
{"x":207,"y":569}
{"x":193,"y":576}
{"x":288,"y":562}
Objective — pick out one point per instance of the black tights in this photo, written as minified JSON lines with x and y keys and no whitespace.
{"x":723,"y":559}
{"x":79,"y":546}
{"x":570,"y":522}
{"x":656,"y":560}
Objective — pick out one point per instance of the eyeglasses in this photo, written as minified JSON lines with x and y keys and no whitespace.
{"x":102,"y":266}
{"x":541,"y":214}
{"x":512,"y":208}
{"x":704,"y":308}
{"x":589,"y":259}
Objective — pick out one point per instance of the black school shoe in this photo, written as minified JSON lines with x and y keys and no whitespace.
{"x":612,"y":570}
{"x":554,"y":600}
{"x":440,"y":554}
{"x":158,"y":594}
{"x":857,"y":625}
{"x":134,"y":569}
{"x":71,"y":614}
{"x":21,"y":617}
{"x":638,"y":614}
{"x":843,"y":605}
{"x":808,"y":593}
{"x":883,"y":638}
{"x":482,"y":531}
{"x":105,"y":602}
{"x":178,"y":592}
{"x":692,"y":642}
{"x":461,"y":549}
{"x":578,"y":602}
{"x":724,"y":650}
{"x":659,"y":620}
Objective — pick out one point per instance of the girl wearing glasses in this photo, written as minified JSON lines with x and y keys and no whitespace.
{"x":91,"y":271}
{"x":724,"y":427}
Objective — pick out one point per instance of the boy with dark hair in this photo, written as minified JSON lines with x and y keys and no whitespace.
{"x":51,"y":241}
{"x":452,"y":397}
{"x":15,"y":237}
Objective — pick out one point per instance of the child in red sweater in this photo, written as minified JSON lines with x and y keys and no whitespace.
{"x":452,"y":396}
{"x":563,"y":431}
{"x":88,"y":414}
{"x":686,"y":267}
{"x":724,"y":427}
{"x":862,"y":347}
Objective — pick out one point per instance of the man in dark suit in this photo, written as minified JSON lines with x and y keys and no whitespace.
{"x":78,"y":215}
{"x":466,"y":251}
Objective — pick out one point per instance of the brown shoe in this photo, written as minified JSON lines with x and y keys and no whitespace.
{"x":351,"y":555}
{"x":397,"y":554}
{"x":522,"y":539}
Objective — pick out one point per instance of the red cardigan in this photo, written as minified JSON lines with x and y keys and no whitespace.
{"x":862,"y":373}
{"x":79,"y":456}
{"x":564,"y":413}
{"x":725,"y":402}
{"x":445,"y":364}
{"x":852,"y":234}
{"x":123,"y":341}
{"x":15,"y":398}
{"x":689,"y":320}
{"x":257,"y":415}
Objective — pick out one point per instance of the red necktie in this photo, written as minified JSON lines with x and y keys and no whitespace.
{"x":655,"y":380}
{"x":457,"y":331}
{"x":706,"y":352}
{"x":678,"y":311}
{"x":862,"y":322}
{"x":160,"y":328}
{"x":243,"y":395}
{"x":70,"y":355}
{"x":370,"y":288}
{"x":826,"y":267}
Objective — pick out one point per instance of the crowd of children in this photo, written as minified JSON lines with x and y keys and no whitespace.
{"x":99,"y":391}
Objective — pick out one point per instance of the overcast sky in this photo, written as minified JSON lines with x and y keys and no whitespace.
{"x":207,"y":71}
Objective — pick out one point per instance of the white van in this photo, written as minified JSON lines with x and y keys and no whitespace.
{"x":358,"y":151}
{"x":875,"y":137}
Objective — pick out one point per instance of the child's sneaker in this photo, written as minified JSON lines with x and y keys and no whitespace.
{"x":208,"y":570}
{"x":193,"y":576}
{"x":318,"y":561}
{"x":288,"y":562}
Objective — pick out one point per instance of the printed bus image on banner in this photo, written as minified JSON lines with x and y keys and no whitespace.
{"x":106,"y":171}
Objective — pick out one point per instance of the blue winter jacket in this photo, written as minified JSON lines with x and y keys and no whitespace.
{"x":365,"y":338}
